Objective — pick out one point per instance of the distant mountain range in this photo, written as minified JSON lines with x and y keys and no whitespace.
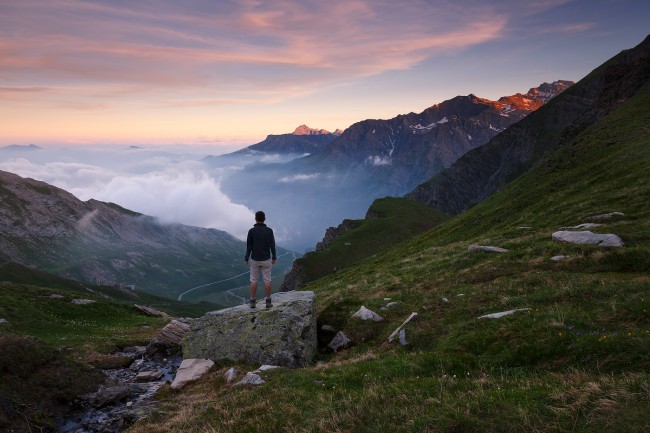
{"x":48,"y":228}
{"x":340,"y":176}
{"x":20,"y":148}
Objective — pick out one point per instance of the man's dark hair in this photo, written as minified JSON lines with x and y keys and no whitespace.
{"x":260,"y":216}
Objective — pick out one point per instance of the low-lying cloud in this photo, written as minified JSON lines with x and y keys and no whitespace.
{"x":186,"y":192}
{"x":299,"y":178}
{"x":379,"y":160}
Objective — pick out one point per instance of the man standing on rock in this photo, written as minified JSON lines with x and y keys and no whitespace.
{"x":260,"y":248}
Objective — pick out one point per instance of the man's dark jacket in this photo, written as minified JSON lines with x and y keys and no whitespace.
{"x":260,"y":244}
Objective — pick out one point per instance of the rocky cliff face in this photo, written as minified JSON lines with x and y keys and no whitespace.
{"x":485,"y":170}
{"x":48,"y":228}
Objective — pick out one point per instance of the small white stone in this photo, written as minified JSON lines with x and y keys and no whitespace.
{"x":366,"y":314}
{"x":265,"y":367}
{"x":230,"y":374}
{"x":251,"y":379}
{"x":502,"y":313}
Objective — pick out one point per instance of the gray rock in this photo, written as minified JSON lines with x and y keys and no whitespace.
{"x":583,"y":226}
{"x":150,"y":311}
{"x":284,"y":335}
{"x":605,"y":216}
{"x":502,"y":313}
{"x":82,"y":301}
{"x":56,"y":296}
{"x":108,"y":395}
{"x":3,"y":321}
{"x":588,"y":238}
{"x":366,"y":314}
{"x":486,"y":248}
{"x":231,"y":374}
{"x":328,"y":328}
{"x":559,"y":258}
{"x":191,"y":370}
{"x":402,"y":337}
{"x":340,"y":341}
{"x":294,"y":279}
{"x":392,"y":304}
{"x":251,"y":379}
{"x":172,"y":334}
{"x":265,"y":367}
{"x":148,"y":376}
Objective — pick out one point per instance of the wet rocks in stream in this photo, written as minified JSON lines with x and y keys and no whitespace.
{"x":126,"y":395}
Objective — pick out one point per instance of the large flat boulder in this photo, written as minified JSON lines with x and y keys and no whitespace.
{"x":283,"y":335}
{"x":588,"y":238}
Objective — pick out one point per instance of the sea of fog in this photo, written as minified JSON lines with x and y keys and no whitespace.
{"x":171,"y":183}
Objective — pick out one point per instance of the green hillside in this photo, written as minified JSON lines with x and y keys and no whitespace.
{"x":393,"y":220}
{"x":576,"y":357}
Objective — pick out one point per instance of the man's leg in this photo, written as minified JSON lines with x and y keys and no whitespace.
{"x":255,"y":272}
{"x":266,"y":274}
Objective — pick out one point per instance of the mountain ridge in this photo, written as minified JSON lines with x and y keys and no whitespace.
{"x":485,"y":170}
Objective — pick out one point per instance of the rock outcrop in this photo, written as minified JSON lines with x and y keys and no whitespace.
{"x":588,"y":238}
{"x":283,"y":335}
{"x":334,"y":232}
{"x":294,"y":279}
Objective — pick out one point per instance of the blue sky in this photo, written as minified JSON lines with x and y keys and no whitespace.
{"x":201,"y":71}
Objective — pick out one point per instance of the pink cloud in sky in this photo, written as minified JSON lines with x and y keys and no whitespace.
{"x":64,"y":43}
{"x":164,"y":62}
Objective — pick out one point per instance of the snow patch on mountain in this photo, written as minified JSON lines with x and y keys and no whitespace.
{"x":419,"y":129}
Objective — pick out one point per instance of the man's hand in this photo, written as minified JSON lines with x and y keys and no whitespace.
{"x":273,"y":262}
{"x":245,"y":262}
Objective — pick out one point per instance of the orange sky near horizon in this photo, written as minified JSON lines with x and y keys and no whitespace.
{"x":76,"y":72}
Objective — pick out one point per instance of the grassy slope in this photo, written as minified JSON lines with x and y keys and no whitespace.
{"x":395,"y":220}
{"x":16,"y":273}
{"x":577,"y":360}
{"x":47,"y":344}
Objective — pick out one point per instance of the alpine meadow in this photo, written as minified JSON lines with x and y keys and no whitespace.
{"x":481,"y":265}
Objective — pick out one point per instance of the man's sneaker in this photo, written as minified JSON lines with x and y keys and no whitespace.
{"x":252,"y":303}
{"x":268,"y":303}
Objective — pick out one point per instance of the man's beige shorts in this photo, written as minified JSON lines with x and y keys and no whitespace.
{"x":256,"y":267}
